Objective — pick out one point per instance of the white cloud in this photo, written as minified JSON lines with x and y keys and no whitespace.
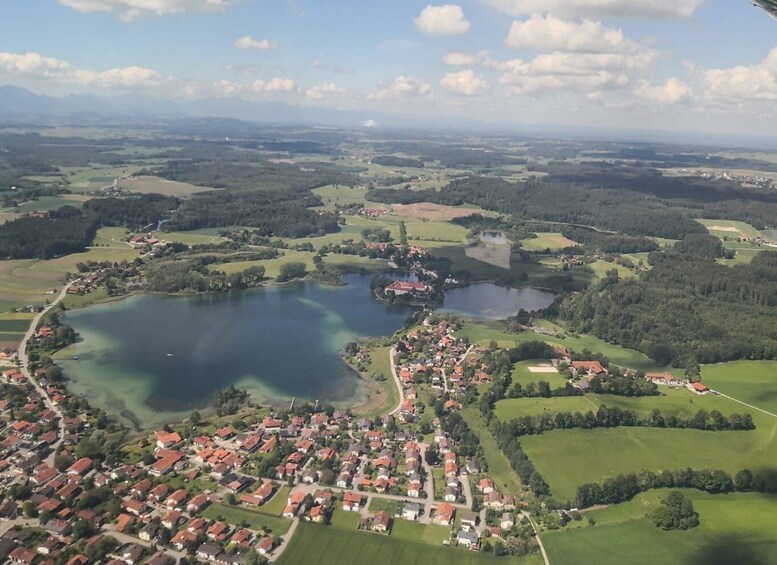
{"x":465,"y":83}
{"x":742,"y":83}
{"x":481,"y":59}
{"x":275,"y":85}
{"x":319,"y":92}
{"x":403,"y":87}
{"x":133,"y":9}
{"x":551,"y":33}
{"x":674,"y":91}
{"x":34,"y":66}
{"x":663,"y":9}
{"x":248,"y":42}
{"x":447,"y":19}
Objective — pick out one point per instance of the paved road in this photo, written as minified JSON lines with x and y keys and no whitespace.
{"x":285,"y":541}
{"x":25,"y":361}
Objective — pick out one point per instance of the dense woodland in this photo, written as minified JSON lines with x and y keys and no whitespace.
{"x":687,"y":309}
{"x":64,"y":231}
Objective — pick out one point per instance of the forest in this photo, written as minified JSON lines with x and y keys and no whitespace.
{"x":687,"y":309}
{"x":64,"y":231}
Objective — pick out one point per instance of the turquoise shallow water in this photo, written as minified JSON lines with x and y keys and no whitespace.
{"x":154,"y":358}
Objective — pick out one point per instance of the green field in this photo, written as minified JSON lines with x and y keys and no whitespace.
{"x":672,"y":402}
{"x":753,"y":382}
{"x":521,"y":374}
{"x":235,"y":516}
{"x":601,"y":267}
{"x":410,"y":543}
{"x":728,"y":228}
{"x":568,"y":458}
{"x":543,"y":241}
{"x":735,"y":528}
{"x":337,"y":195}
{"x":277,"y":503}
{"x":483,"y":333}
{"x":387,"y":390}
{"x":498,"y":466}
{"x":390,"y":506}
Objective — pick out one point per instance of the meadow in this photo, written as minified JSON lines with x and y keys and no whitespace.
{"x":735,"y":528}
{"x":753,"y":382}
{"x":568,"y":458}
{"x":543,"y":241}
{"x":728,"y":228}
{"x":483,"y":333}
{"x":409,"y":543}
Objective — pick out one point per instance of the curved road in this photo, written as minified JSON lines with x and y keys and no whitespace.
{"x":398,"y":382}
{"x":25,"y":361}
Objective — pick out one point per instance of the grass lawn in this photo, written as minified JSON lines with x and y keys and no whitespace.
{"x":235,"y":516}
{"x":483,"y":333}
{"x":336,"y":195}
{"x":735,"y":528}
{"x":47,"y":203}
{"x":390,"y":506}
{"x":387,"y":389}
{"x":277,"y":503}
{"x":543,"y":241}
{"x":438,"y":480}
{"x":568,"y":458}
{"x":192,"y":238}
{"x":498,"y":467}
{"x":752,"y":382}
{"x":339,"y":544}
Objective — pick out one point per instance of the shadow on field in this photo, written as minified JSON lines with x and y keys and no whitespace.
{"x":732,"y":550}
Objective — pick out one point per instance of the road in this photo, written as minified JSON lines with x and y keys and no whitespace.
{"x":539,"y":540}
{"x":746,"y":404}
{"x":398,"y":382}
{"x":25,"y":361}
{"x":285,"y":541}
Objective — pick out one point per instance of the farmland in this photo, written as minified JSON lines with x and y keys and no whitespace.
{"x":543,"y":241}
{"x":752,"y":382}
{"x":735,"y":528}
{"x":569,"y":458}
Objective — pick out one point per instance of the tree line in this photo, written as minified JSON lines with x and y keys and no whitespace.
{"x":616,"y":417}
{"x":622,"y":488}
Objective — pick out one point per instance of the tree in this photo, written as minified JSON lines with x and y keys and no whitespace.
{"x":289,"y":271}
{"x":29,"y":510}
{"x":195,"y":418}
{"x":675,"y":513}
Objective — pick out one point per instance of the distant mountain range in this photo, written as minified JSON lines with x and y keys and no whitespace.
{"x":20,"y":106}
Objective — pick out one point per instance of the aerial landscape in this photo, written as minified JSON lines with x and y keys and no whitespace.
{"x":474,"y":283}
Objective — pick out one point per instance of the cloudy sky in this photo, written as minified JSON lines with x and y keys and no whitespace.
{"x":699,"y":65}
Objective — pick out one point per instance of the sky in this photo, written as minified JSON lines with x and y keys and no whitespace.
{"x":685,"y":65}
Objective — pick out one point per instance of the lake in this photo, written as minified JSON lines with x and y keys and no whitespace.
{"x":153,"y":359}
{"x":487,"y":301}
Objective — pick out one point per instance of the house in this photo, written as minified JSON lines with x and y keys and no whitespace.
{"x":197,"y":503}
{"x":323,"y":497}
{"x":160,"y":558}
{"x":486,"y":485}
{"x":176,"y":499}
{"x":265,"y":546}
{"x":698,"y":388}
{"x":182,"y":539}
{"x":468,"y":539}
{"x":444,"y":514}
{"x":171,"y":519}
{"x":149,"y":532}
{"x":469,"y":520}
{"x":352,"y":502}
{"x":317,"y":514}
{"x":508,"y":521}
{"x":451,"y":494}
{"x":399,"y":288}
{"x":411,"y":511}
{"x":23,"y":555}
{"x":80,"y":467}
{"x":591,"y":368}
{"x":664,"y":378}
{"x":208,"y":551}
{"x":381,"y":521}
{"x":165,"y":440}
{"x":414,"y":488}
{"x":218,"y":531}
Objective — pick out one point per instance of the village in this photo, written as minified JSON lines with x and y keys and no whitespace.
{"x":305,"y":464}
